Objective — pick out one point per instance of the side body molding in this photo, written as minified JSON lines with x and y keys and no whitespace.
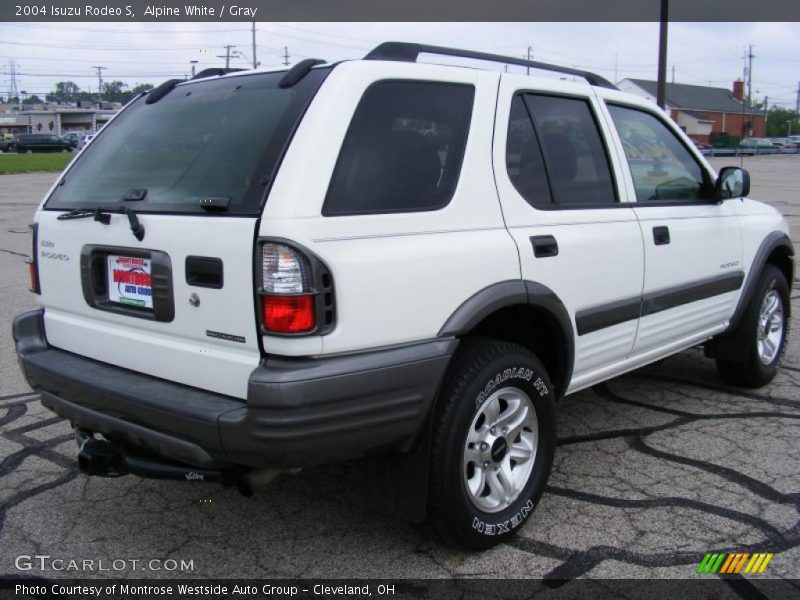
{"x":517,"y":292}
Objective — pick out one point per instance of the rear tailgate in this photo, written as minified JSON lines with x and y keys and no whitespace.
{"x":192,"y":165}
{"x":211,"y":340}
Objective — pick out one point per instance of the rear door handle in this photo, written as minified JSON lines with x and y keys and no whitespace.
{"x":661,"y":235}
{"x":544,"y":246}
{"x":204,"y":271}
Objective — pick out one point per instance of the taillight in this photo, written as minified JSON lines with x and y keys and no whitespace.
{"x":33,"y":263}
{"x":289,"y":314}
{"x":296,"y":291}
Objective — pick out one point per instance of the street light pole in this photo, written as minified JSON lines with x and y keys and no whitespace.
{"x":661,"y":99}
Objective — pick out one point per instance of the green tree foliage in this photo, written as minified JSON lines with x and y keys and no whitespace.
{"x":779,"y":121}
{"x":64,"y":92}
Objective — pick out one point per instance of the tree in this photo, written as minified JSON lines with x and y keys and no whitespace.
{"x":34,"y":99}
{"x":141,"y":87}
{"x":113,"y":91}
{"x":780,"y":121}
{"x":64,"y":92}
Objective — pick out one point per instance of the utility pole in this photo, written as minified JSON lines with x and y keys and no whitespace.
{"x":99,"y":81}
{"x":286,"y":56}
{"x":662,"y":55}
{"x":528,"y":68}
{"x":766,"y":105}
{"x":673,"y":73}
{"x":750,"y":75}
{"x":227,"y":55}
{"x":255,"y":60}
{"x":797,"y":101}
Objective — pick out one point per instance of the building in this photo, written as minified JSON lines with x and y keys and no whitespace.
{"x":705,"y":113}
{"x":55,"y":119}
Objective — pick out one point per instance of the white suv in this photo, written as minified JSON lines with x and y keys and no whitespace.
{"x":259,"y":271}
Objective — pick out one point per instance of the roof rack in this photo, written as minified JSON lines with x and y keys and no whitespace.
{"x":216,"y":72}
{"x":408,"y":52}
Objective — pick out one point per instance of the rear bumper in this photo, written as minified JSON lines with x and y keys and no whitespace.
{"x":298,"y":412}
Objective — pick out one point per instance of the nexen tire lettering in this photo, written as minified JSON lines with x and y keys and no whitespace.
{"x":504,"y":526}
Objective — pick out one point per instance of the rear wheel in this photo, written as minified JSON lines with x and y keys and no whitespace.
{"x":493,"y":444}
{"x":761,"y":334}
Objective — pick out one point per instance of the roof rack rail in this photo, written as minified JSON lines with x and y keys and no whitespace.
{"x":215,"y":71}
{"x":409,"y":52}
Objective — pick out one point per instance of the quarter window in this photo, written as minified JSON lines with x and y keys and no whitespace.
{"x":661,"y":167}
{"x":558,"y":157}
{"x":403,"y":150}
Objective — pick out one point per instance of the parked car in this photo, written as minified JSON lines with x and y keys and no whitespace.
{"x":41,"y":142}
{"x":328,"y":280}
{"x":703,"y":148}
{"x":6,"y":143}
{"x":73,"y":138}
{"x":758,"y":145}
{"x":85,"y":139}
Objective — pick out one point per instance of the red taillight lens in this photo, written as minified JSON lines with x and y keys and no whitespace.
{"x":288,"y":314}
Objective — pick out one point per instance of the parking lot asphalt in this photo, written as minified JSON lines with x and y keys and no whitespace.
{"x":653,"y":470}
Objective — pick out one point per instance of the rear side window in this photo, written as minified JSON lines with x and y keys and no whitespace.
{"x":563,"y":148}
{"x":403,"y":150}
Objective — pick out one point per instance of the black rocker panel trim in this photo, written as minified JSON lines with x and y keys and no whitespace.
{"x":621,"y":311}
{"x":684,"y":294}
{"x":607,"y":315}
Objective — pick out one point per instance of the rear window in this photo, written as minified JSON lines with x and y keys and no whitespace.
{"x":218,"y":138}
{"x":403,"y":150}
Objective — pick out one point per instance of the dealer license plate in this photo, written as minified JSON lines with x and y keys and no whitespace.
{"x":129,"y":281}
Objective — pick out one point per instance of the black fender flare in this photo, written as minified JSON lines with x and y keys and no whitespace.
{"x":509,"y":293}
{"x":774,"y":240}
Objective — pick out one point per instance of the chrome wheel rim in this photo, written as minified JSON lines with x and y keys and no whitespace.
{"x":770,"y":327}
{"x":500,"y":450}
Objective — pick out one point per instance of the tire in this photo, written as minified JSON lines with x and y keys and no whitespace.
{"x":761,"y":350}
{"x":488,"y":378}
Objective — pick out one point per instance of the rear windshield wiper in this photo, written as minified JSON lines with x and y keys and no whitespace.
{"x":104,"y":216}
{"x":99,"y":214}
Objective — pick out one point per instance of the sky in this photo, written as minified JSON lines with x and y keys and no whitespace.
{"x":701,"y":53}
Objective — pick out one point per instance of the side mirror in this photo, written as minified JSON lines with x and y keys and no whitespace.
{"x":732,"y":182}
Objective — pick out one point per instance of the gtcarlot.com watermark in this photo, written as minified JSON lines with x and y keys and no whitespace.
{"x":45,"y":562}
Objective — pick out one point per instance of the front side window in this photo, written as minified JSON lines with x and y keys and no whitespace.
{"x":661,"y":167}
{"x":562,"y":159}
{"x":403,"y":150}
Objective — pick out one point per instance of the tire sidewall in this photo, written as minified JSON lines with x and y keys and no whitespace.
{"x":771,"y":279}
{"x":518,"y":370}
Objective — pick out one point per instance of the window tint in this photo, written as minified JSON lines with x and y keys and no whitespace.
{"x":661,"y":167}
{"x":524,"y":157}
{"x":575,"y":157}
{"x":403,"y":150}
{"x":213,"y":137}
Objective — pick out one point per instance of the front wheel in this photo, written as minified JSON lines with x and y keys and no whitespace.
{"x":761,"y":334}
{"x":493,"y":444}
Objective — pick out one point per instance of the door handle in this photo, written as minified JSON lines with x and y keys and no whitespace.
{"x":661,"y":235}
{"x":204,"y":271}
{"x":544,"y":246}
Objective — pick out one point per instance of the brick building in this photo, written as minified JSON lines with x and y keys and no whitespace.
{"x":705,"y":113}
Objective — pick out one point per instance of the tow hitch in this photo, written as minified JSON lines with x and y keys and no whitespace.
{"x":101,"y":458}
